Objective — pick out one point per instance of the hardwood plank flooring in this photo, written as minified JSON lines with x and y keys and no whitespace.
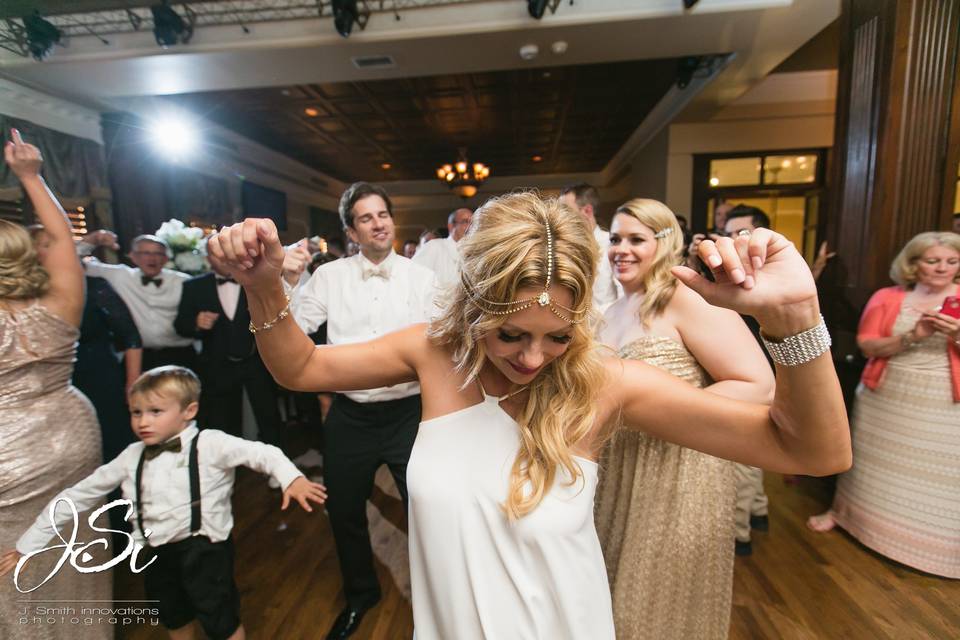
{"x":797,"y":584}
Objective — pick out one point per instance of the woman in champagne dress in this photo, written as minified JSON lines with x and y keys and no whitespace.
{"x":49,"y":437}
{"x":664,"y":513}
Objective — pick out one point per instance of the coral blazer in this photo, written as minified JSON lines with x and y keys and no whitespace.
{"x":877,"y":322}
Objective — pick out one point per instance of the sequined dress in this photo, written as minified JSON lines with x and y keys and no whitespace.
{"x":901,"y":498}
{"x":49,"y":439}
{"x":664,"y":514}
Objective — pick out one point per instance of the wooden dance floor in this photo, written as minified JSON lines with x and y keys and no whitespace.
{"x":796,"y":585}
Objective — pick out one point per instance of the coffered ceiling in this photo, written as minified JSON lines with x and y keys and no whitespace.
{"x":574,"y":118}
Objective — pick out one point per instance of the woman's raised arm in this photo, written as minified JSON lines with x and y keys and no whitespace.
{"x":251,"y":252}
{"x":806,"y":430}
{"x":66,"y":293}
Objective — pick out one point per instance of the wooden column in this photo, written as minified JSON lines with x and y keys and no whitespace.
{"x":896,"y":144}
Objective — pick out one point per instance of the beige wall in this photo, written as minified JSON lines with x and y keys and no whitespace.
{"x":771,"y":132}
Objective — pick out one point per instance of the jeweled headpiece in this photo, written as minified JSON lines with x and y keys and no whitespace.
{"x":663,"y":233}
{"x":573,"y":316}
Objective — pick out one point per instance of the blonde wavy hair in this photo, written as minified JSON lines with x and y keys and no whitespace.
{"x":658,"y":283}
{"x":903,"y":270}
{"x":506,"y":251}
{"x":21,"y":275}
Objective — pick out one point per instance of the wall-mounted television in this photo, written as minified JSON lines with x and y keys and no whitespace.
{"x":262,"y":202}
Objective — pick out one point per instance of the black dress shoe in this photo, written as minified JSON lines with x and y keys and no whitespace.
{"x":760,"y":523}
{"x":743,"y":548}
{"x":346,"y":623}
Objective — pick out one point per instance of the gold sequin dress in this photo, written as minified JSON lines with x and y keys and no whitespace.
{"x":49,"y":440}
{"x":664,"y":514}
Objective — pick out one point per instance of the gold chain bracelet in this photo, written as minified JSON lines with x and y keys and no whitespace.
{"x":269,"y":325}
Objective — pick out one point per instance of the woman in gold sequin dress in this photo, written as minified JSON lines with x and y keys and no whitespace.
{"x":49,"y":437}
{"x":664,"y":513}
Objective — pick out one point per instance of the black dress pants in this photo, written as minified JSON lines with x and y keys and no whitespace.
{"x":221,"y":398}
{"x":180,"y":356}
{"x":358,"y":438}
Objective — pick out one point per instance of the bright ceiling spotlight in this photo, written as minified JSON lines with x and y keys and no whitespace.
{"x":41,"y":35}
{"x":168,"y":27}
{"x":174,"y":137}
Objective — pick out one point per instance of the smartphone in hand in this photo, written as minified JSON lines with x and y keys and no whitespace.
{"x":951,"y":307}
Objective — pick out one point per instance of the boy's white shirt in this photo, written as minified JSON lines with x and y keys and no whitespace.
{"x":166,"y":488}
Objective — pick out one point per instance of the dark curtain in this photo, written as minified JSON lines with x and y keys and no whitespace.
{"x":149,"y":189}
{"x":73,"y":167}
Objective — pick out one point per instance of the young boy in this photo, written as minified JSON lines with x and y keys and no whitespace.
{"x":180,"y":481}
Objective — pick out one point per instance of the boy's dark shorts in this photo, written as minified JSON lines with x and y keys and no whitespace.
{"x":193,"y":580}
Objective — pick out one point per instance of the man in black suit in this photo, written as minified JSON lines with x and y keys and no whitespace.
{"x":213,"y":309}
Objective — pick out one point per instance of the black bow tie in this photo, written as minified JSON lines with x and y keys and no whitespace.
{"x":153,"y":450}
{"x":145,"y":280}
{"x":224,"y":280}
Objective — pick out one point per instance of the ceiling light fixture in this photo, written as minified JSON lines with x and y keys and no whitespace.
{"x":310,"y":111}
{"x":40,"y":35}
{"x":346,"y":14}
{"x":537,"y":158}
{"x":386,"y":166}
{"x":463,"y":178}
{"x":168,"y":27}
{"x":536,"y":8}
{"x":174,"y":136}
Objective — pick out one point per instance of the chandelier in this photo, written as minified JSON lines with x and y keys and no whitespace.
{"x":463,"y":178}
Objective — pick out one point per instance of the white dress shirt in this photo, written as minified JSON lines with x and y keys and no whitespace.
{"x":442,"y":257}
{"x":166,"y":488}
{"x":153,"y":308}
{"x":229,"y":295}
{"x":357,"y":309}
{"x":606,"y":288}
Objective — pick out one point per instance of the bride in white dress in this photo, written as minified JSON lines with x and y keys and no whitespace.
{"x":517,"y":402}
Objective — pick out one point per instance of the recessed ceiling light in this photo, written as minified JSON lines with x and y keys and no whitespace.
{"x":537,"y":158}
{"x":529,"y":51}
{"x":386,"y":165}
{"x":285,"y":92}
{"x":310,"y":111}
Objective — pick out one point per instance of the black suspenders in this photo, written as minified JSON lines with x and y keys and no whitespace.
{"x":195,"y":513}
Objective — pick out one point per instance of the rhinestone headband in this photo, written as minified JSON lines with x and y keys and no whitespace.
{"x":492,"y":307}
{"x":663,"y":233}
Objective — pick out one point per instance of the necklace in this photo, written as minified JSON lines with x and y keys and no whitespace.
{"x":501,"y":398}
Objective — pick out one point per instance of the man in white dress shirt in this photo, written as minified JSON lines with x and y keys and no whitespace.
{"x":441,"y":255}
{"x":585,"y":199}
{"x":363,"y":297}
{"x":152,"y":294}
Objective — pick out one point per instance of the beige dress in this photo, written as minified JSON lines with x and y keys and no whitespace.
{"x":664,"y":514}
{"x":49,"y":439}
{"x":901,"y":498}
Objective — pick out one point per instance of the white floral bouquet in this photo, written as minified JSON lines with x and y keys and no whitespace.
{"x":188,"y":244}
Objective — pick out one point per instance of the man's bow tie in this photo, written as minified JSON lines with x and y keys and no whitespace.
{"x":145,"y":280}
{"x":153,"y":450}
{"x":380,"y":270}
{"x":221,"y":280}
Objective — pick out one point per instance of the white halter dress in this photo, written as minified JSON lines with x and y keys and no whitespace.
{"x":476,"y":575}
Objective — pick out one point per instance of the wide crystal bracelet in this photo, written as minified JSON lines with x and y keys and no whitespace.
{"x":800,"y":348}
{"x":269,"y":325}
